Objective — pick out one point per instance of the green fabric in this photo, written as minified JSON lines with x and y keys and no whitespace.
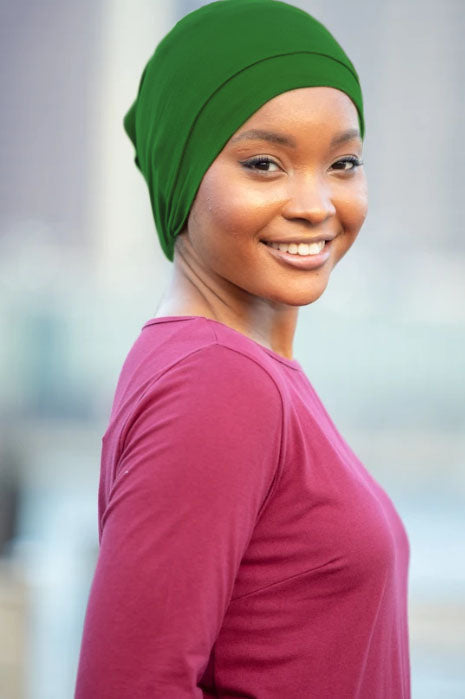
{"x":207,"y":76}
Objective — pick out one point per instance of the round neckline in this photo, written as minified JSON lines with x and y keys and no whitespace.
{"x":293,"y":363}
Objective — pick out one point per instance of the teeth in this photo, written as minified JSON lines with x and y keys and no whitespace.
{"x":301,"y":248}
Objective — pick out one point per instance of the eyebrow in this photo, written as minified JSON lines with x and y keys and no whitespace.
{"x":286,"y":140}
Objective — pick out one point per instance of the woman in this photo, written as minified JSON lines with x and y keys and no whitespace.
{"x":245,"y":550}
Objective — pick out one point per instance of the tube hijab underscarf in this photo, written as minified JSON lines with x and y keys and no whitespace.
{"x":216,"y":67}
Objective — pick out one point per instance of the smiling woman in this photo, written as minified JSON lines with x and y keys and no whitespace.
{"x":245,"y":551}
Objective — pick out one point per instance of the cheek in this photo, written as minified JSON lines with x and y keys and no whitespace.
{"x":232,"y":206}
{"x":353,"y":208}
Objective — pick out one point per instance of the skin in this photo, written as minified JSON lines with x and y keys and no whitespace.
{"x":221,"y":270}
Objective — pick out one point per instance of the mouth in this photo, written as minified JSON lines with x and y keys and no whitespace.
{"x":302,"y":248}
{"x":306,"y":257}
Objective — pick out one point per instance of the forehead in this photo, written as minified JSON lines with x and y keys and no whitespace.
{"x":304,"y":109}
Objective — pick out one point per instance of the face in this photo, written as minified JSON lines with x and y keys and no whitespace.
{"x":271,"y":190}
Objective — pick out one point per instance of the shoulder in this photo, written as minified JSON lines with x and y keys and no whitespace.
{"x":219,"y":375}
{"x":201,"y":352}
{"x":215,"y":412}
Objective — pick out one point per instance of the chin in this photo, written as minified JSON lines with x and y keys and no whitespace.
{"x":304,"y":297}
{"x":310,"y":298}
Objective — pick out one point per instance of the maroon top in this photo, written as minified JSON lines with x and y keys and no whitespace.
{"x":245,"y":551}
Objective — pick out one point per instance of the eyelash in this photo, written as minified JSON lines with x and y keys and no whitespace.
{"x":265,"y":159}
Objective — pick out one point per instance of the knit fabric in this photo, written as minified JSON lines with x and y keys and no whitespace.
{"x":245,"y":551}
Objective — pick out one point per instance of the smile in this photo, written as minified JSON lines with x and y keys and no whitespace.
{"x":300,"y":248}
{"x":305,"y":261}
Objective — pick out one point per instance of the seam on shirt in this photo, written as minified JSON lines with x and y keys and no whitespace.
{"x":270,"y":353}
{"x":279,"y":468}
{"x":150,"y":384}
{"x":279,"y":582}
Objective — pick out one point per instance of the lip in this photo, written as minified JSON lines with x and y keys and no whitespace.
{"x":307,"y":241}
{"x":300,"y":261}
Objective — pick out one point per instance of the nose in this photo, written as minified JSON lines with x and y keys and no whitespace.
{"x":310,"y":199}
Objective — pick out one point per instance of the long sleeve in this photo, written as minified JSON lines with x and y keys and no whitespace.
{"x":198,"y":459}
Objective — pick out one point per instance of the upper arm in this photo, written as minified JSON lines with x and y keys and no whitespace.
{"x":198,"y":460}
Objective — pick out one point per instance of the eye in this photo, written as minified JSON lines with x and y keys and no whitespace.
{"x":253,"y":163}
{"x":355,"y":162}
{"x":261,"y":162}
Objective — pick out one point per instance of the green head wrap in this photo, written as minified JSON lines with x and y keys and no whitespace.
{"x":214,"y":69}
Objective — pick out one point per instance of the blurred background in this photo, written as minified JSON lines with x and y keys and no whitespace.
{"x":81,"y":271}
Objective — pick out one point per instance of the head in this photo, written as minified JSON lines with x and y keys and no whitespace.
{"x":216,"y":75}
{"x":260,"y":190}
